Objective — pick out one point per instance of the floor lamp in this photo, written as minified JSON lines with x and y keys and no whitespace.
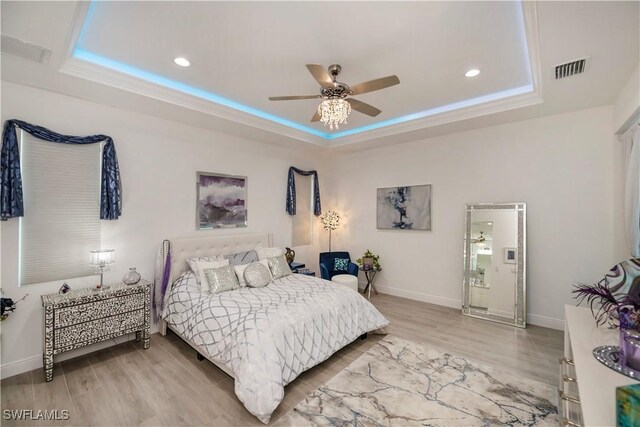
{"x":330,"y":221}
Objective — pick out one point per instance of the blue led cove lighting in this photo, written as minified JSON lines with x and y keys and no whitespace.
{"x":151,"y":77}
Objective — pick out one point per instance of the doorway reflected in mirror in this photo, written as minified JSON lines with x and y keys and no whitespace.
{"x":494,"y":279}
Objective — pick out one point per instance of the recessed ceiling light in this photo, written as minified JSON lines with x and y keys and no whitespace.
{"x":472,"y":73}
{"x":183,"y":62}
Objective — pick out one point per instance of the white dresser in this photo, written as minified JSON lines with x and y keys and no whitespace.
{"x":596,"y":384}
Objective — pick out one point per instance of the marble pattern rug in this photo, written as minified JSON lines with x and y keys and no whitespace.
{"x":401,"y":383}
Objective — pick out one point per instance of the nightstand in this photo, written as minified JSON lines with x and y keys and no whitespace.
{"x":299,"y":268}
{"x":294,"y":266}
{"x":87,"y":316}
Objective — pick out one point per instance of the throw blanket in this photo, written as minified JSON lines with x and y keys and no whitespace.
{"x":268,"y":336}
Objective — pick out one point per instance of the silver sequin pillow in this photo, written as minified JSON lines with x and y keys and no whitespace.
{"x":221,"y":279}
{"x":257,"y":275}
{"x":193,"y":263}
{"x":279,"y":267}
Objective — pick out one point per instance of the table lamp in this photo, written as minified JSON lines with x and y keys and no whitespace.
{"x":102,"y":258}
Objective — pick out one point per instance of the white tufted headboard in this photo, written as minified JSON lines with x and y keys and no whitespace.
{"x":181,"y":249}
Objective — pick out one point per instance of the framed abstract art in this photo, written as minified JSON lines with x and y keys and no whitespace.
{"x":221,"y":201}
{"x":404,"y":208}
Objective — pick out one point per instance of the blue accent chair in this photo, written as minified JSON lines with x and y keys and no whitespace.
{"x":327,"y":260}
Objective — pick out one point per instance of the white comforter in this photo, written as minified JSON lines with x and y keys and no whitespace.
{"x":268,"y":336}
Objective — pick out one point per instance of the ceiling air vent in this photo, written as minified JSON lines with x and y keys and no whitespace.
{"x":26,"y":50}
{"x":572,"y":68}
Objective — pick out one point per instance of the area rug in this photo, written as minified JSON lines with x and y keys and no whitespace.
{"x":401,"y":383}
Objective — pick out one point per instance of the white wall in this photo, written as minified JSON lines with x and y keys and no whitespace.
{"x":562,"y":166}
{"x":158,"y":163}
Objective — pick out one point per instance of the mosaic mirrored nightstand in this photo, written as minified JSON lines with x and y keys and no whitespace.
{"x":87,"y":316}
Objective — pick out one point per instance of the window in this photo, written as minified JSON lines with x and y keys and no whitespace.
{"x":61,"y":223}
{"x":301,"y":226}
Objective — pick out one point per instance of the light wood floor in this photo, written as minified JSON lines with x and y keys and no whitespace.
{"x":166,"y":385}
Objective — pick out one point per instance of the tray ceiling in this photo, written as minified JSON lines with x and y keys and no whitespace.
{"x":243,"y":52}
{"x":121,"y":54}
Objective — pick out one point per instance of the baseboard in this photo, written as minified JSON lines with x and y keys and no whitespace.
{"x":35,"y":362}
{"x":533,"y":319}
{"x":20,"y":366}
{"x":544,"y":321}
{"x":419,"y":296}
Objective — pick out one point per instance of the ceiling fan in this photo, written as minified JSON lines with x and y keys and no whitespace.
{"x":480,"y":241}
{"x":336,"y":107}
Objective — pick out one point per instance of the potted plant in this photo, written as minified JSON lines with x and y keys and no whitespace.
{"x":620,"y":312}
{"x":369,"y":261}
{"x":8,"y":306}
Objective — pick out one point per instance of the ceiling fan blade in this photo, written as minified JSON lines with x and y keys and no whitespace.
{"x":291,"y":98}
{"x":321,"y":75}
{"x":316,"y":117}
{"x":376,"y":84}
{"x":363,"y":107}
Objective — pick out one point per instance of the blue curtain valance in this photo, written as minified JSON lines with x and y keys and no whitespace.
{"x":11,"y":200}
{"x":291,"y":191}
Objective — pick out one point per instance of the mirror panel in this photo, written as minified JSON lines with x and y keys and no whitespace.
{"x":494,"y":285}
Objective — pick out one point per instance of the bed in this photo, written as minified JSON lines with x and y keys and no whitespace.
{"x":262,"y":337}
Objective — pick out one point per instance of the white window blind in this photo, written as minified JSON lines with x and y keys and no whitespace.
{"x":61,"y":223}
{"x":303,"y":219}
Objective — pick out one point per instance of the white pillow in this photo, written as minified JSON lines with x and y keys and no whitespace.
{"x":257,"y":275}
{"x":240,"y":271}
{"x":201,"y":265}
{"x":193,"y":263}
{"x":264,"y":253}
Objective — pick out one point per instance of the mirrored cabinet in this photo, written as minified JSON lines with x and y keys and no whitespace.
{"x":494,"y":285}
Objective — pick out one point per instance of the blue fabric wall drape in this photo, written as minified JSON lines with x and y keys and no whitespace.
{"x":291,"y":191}
{"x":11,"y":200}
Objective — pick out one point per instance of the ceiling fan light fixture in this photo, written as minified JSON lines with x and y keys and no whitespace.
{"x":334,"y":112}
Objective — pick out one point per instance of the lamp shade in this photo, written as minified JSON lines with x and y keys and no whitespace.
{"x":330,"y":220}
{"x":102,"y":257}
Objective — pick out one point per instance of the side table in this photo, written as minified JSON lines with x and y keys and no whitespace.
{"x":87,"y":316}
{"x":294,"y":266}
{"x":298,"y":267}
{"x":370,"y":275}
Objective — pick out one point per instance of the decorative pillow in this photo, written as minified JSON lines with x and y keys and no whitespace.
{"x":221,"y":279}
{"x":193,"y":263}
{"x":242,"y":258}
{"x":257,"y":275}
{"x":341,"y":264}
{"x":264,"y":253}
{"x":239,"y":269}
{"x":279,"y":267}
{"x":201,"y":265}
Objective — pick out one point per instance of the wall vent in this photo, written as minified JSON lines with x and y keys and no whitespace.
{"x":26,"y":50}
{"x":572,"y":68}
